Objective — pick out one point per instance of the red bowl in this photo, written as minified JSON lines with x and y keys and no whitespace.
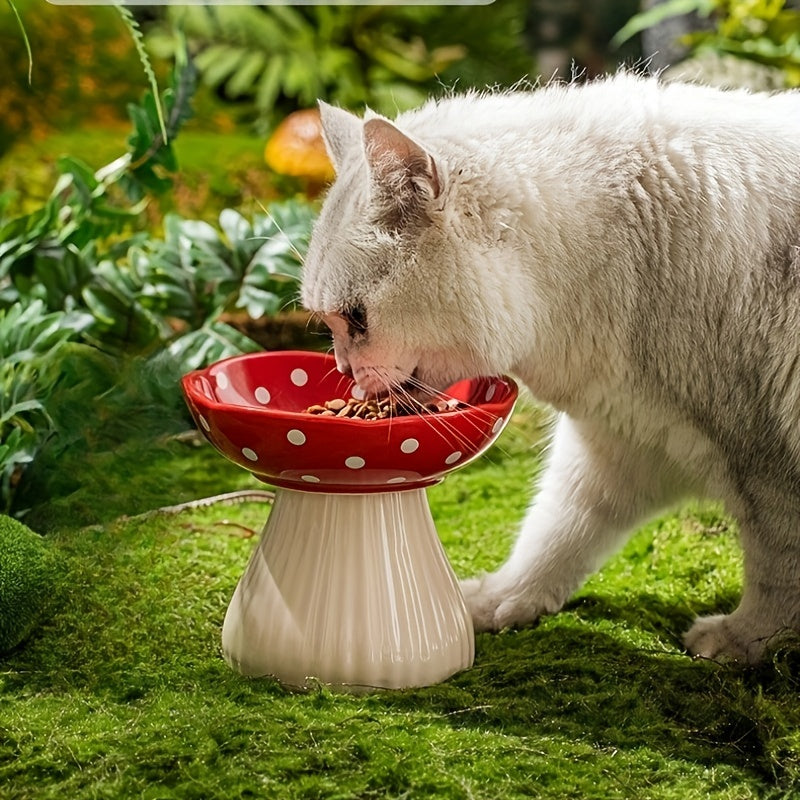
{"x":252,"y":409}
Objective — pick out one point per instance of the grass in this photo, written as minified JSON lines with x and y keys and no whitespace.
{"x":124,"y":694}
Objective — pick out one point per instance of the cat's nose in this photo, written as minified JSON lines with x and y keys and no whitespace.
{"x":342,"y":363}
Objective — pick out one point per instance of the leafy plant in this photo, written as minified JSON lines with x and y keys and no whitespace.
{"x":765,"y":31}
{"x":196,"y":273}
{"x":49,"y":253}
{"x":31,"y":346}
{"x":278,"y":58}
{"x":159,"y":304}
{"x":138,"y":40}
{"x":159,"y":299}
{"x":88,"y":300}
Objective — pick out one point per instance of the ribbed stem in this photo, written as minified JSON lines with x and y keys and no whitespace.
{"x":354,"y":591}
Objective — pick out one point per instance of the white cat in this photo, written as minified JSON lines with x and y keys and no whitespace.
{"x":631,"y":251}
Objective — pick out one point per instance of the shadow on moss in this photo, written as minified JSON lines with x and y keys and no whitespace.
{"x":591,"y":687}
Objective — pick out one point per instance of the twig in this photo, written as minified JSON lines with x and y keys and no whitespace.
{"x":227,"y":498}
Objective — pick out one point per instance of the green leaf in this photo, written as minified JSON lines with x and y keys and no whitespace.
{"x":28,"y":330}
{"x":178,"y":99}
{"x":20,"y":408}
{"x":234,"y":226}
{"x":102,"y":304}
{"x":138,"y":39}
{"x":169,"y":298}
{"x":274,"y":254}
{"x":25,"y":39}
{"x":244,"y":79}
{"x":269,"y":86}
{"x":224,"y":63}
{"x":212,"y":342}
{"x":195,"y":231}
{"x":259,"y":302}
{"x":301,"y":79}
{"x":82,"y":174}
{"x":657,"y":14}
{"x":293,"y":21}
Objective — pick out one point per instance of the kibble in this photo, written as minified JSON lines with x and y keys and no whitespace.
{"x":383,"y":408}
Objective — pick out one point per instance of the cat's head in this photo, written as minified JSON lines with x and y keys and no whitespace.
{"x":399,"y":266}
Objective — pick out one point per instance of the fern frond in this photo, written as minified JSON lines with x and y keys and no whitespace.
{"x":138,"y":40}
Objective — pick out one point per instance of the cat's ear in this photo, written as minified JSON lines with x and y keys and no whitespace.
{"x":401,"y":169}
{"x":341,"y":132}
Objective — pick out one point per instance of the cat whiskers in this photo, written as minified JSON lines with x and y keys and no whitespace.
{"x":271,"y":217}
{"x":438,"y":423}
{"x":334,"y":371}
{"x":294,"y":249}
{"x":319,"y":324}
{"x":414,"y":395}
{"x":442,"y":395}
{"x":441,"y":427}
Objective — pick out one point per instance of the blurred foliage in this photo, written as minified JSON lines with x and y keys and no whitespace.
{"x":85,"y":292}
{"x":764,"y":31}
{"x":45,"y":254}
{"x":49,"y":273}
{"x":25,"y":39}
{"x":216,"y":171}
{"x":83,"y":59}
{"x":275,"y":59}
{"x":571,"y":37}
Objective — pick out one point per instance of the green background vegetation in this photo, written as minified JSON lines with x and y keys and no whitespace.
{"x":122,"y":691}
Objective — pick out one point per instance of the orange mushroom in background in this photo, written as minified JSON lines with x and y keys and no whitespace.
{"x":296,"y":148}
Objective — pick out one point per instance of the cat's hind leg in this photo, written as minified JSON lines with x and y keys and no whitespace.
{"x":594,"y":490}
{"x":770,"y":604}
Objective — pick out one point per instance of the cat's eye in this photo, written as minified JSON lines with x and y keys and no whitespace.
{"x":356,"y":319}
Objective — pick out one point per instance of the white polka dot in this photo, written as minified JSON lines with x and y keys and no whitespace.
{"x":299,"y":377}
{"x":490,"y":392}
{"x":398,"y":479}
{"x":296,"y":437}
{"x":498,"y":425}
{"x":409,"y":445}
{"x":310,"y":478}
{"x":262,"y":395}
{"x":222,"y":380}
{"x":249,"y":454}
{"x":357,"y":392}
{"x":453,"y":457}
{"x":354,"y":462}
{"x":204,"y":422}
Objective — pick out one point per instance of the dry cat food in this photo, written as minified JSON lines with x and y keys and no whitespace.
{"x":381,"y":409}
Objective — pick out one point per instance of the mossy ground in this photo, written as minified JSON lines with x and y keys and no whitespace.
{"x":124,"y":693}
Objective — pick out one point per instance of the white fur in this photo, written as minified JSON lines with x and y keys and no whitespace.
{"x":630,"y":251}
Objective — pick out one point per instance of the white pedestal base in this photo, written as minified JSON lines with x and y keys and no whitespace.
{"x":354,"y":591}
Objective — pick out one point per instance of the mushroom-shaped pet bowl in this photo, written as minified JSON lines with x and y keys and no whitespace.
{"x":349,"y":585}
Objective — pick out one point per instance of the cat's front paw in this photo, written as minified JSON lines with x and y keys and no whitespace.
{"x":726,"y":638}
{"x":493,"y":607}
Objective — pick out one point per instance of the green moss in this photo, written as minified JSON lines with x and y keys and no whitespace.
{"x":30,"y":581}
{"x":125,"y":693}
